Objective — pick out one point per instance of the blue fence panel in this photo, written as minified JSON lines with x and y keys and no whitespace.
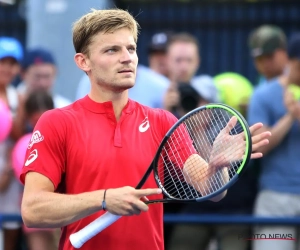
{"x":221,"y":27}
{"x":12,"y":23}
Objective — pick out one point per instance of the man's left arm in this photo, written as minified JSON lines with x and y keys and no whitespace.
{"x":199,"y":173}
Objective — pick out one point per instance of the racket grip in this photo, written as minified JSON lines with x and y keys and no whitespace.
{"x":95,"y":227}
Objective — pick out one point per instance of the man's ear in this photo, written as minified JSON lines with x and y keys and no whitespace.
{"x":81,"y":61}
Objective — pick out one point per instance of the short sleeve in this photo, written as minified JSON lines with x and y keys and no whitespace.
{"x":257,"y":109}
{"x":167,"y":120}
{"x":46,"y":149}
{"x":180,"y":145}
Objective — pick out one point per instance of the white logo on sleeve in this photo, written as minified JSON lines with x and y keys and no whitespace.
{"x":32,"y":157}
{"x":35,"y":138}
{"x":144,"y":125}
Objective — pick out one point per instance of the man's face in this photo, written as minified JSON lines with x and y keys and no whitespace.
{"x":272,"y":65}
{"x":158,"y":62}
{"x":40,"y":77}
{"x":183,"y":61}
{"x":112,"y":60}
{"x":294,"y":71}
{"x":9,"y":69}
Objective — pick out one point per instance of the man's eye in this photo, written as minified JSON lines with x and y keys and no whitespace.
{"x":111,"y":50}
{"x":132,"y":49}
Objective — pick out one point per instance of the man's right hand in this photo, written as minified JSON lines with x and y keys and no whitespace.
{"x":292,"y":105}
{"x":171,"y":99}
{"x":127,"y":200}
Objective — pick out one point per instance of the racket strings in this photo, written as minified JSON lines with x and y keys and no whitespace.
{"x":204,"y":145}
{"x":201,"y":155}
{"x":235,"y":130}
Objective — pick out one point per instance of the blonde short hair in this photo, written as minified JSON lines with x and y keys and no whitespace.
{"x":106,"y":21}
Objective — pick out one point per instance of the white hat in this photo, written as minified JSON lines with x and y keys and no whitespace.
{"x":205,"y":86}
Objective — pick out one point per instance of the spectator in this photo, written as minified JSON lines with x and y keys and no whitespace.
{"x":11,"y":53}
{"x":183,"y":63}
{"x":38,"y":72}
{"x":183,"y":57}
{"x":267,"y":46}
{"x":37,"y":102}
{"x":150,"y":85}
{"x":157,"y":53}
{"x":279,"y":186}
{"x":150,"y":92}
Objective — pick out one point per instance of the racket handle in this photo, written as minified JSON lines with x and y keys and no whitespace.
{"x":95,"y":227}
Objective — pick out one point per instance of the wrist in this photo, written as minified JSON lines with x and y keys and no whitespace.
{"x":289,"y":118}
{"x":104,"y":208}
{"x":298,"y":114}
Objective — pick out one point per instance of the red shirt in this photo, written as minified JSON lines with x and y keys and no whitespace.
{"x":83,"y":148}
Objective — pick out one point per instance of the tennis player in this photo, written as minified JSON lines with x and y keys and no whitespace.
{"x":99,"y":147}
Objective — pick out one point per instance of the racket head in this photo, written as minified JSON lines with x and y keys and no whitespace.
{"x":201,"y":128}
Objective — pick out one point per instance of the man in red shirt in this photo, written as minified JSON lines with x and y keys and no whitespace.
{"x":101,"y":142}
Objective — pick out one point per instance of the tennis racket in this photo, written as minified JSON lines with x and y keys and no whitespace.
{"x":201,"y":156}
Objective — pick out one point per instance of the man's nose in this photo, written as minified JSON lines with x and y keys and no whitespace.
{"x":126,"y":57}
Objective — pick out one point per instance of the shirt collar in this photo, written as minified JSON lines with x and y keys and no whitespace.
{"x":104,"y":107}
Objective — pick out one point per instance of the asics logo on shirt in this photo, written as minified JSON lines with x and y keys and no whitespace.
{"x":35,"y":138}
{"x":32,"y":157}
{"x":144,"y":125}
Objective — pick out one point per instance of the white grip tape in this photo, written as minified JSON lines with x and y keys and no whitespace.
{"x":95,"y":227}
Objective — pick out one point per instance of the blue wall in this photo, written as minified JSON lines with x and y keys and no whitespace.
{"x":222,"y":28}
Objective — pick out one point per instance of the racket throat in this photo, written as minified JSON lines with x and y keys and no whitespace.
{"x":163,"y":201}
{"x":145,"y":177}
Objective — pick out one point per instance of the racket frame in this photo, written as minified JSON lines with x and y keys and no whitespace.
{"x":233,"y":180}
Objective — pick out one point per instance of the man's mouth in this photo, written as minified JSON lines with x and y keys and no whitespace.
{"x":126,"y":71}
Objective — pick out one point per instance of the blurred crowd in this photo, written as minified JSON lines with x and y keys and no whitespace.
{"x":271,"y":187}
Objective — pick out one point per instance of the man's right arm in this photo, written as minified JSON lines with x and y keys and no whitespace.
{"x":278,"y":131}
{"x":43,"y":208}
{"x":259,"y":111}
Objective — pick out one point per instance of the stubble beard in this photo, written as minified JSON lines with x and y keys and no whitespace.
{"x":114,"y":84}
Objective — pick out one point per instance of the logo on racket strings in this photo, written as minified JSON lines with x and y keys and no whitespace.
{"x":144,"y":125}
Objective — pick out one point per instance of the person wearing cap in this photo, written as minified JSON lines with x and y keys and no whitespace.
{"x":151,"y":83}
{"x":11,"y":53}
{"x":279,"y":187}
{"x":38,"y":73}
{"x":267,"y":45}
{"x":157,"y":53}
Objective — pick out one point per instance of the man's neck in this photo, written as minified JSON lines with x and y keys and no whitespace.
{"x":118,"y":99}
